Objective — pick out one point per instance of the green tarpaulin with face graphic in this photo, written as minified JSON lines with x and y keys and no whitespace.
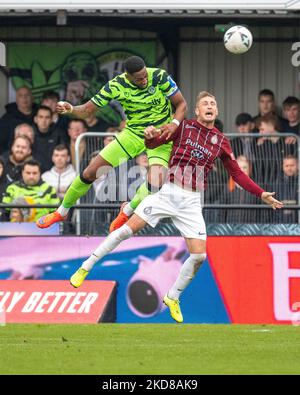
{"x":75,"y":72}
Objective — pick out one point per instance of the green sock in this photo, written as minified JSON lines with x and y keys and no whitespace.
{"x":141,"y":193}
{"x":76,"y":190}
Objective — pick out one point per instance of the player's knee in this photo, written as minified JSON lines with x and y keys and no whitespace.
{"x":123,"y":233}
{"x":192,"y":265}
{"x":155,"y":177}
{"x":198,"y":259}
{"x":152,"y":188}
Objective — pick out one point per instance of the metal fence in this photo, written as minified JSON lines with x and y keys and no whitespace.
{"x":273,"y":163}
{"x":269,"y":159}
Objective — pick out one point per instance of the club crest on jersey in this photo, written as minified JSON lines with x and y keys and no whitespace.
{"x":214,"y":139}
{"x":126,"y":94}
{"x":151,"y":90}
{"x":147,"y":210}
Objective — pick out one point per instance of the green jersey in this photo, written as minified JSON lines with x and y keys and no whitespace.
{"x":143,"y":107}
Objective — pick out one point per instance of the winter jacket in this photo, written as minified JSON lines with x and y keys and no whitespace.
{"x":41,"y":193}
{"x":60,"y":181}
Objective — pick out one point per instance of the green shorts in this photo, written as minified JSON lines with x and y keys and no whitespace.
{"x":128,"y":145}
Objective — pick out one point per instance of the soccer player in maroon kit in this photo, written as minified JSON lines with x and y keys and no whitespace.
{"x":196,"y":145}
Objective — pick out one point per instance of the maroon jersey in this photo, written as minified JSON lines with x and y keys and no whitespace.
{"x":195,"y":148}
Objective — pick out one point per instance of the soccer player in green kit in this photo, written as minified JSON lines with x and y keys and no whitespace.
{"x":147,"y":96}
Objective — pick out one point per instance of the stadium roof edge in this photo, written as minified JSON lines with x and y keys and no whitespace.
{"x":152,"y":5}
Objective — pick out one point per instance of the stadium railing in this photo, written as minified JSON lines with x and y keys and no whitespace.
{"x":224,"y":203}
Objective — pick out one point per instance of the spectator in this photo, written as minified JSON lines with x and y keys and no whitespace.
{"x":62,"y":173}
{"x":47,"y":137}
{"x":3,"y":179}
{"x":20,"y":152}
{"x":286,"y":186}
{"x":50,"y":99}
{"x":97,"y":124}
{"x":32,"y":189}
{"x":117,"y":107}
{"x":75,"y":129}
{"x":267,"y":106}
{"x":21,"y":130}
{"x":22,"y":111}
{"x":291,"y":111}
{"x":243,"y":145}
{"x":22,"y":214}
{"x":269,"y":151}
{"x":234,"y":194}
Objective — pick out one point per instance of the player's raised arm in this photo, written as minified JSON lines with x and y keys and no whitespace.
{"x":83,"y":111}
{"x":180,"y":106}
{"x":154,"y":137}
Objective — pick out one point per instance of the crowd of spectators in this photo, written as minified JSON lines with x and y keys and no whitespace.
{"x":269,"y":155}
{"x":37,"y":157}
{"x":37,"y":152}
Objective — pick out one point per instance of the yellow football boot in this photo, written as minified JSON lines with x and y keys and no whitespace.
{"x":174,"y":308}
{"x":78,"y":277}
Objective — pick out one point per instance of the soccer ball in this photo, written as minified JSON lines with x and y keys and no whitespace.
{"x":238,"y":39}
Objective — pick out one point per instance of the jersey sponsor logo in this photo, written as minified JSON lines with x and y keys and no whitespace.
{"x":198,"y":147}
{"x":214,"y":139}
{"x":151,"y":90}
{"x":197,"y":154}
{"x":156,"y":102}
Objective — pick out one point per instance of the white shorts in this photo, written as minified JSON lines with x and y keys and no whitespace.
{"x":182,"y":206}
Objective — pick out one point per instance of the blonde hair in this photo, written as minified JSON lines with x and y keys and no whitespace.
{"x":203,"y":94}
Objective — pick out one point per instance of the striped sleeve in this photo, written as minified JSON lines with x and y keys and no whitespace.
{"x":167,"y":85}
{"x":50,"y":195}
{"x":105,"y":95}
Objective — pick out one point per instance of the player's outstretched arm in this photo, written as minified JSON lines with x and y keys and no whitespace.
{"x":180,"y":106}
{"x":267,"y":197}
{"x":83,"y":111}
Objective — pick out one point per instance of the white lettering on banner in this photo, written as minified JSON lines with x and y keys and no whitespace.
{"x":76,"y":301}
{"x":3,"y":300}
{"x":17,"y":296}
{"x":282,"y":275}
{"x":87,"y":303}
{"x":44,"y":300}
{"x":31,"y":302}
{"x":58,"y":296}
{"x":49,"y":302}
{"x":66,"y":301}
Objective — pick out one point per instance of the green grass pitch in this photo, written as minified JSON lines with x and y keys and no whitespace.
{"x":149,"y":349}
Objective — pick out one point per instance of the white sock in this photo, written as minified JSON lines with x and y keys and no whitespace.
{"x":109,"y":244}
{"x":186,"y":274}
{"x":62,"y":210}
{"x":128,"y":210}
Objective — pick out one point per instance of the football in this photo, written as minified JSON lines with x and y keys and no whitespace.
{"x":238,"y":39}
